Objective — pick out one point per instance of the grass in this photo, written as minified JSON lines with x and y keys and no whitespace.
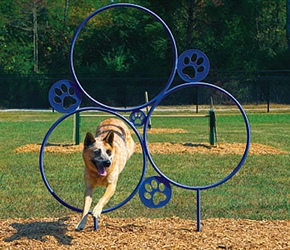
{"x":260,"y":190}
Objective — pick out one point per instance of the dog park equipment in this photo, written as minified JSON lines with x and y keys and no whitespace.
{"x":142,"y":115}
{"x":161,"y":183}
{"x":211,"y":116}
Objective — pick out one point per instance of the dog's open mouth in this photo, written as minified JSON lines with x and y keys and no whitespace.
{"x":101,"y":168}
{"x":102,"y":171}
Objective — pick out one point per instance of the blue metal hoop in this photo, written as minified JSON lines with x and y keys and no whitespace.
{"x":236,"y":169}
{"x":174,"y":66}
{"x":41,"y":158}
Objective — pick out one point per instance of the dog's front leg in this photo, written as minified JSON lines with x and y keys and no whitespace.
{"x":111,"y":188}
{"x":87,"y":205}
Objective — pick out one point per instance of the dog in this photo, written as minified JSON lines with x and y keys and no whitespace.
{"x":105,"y":156}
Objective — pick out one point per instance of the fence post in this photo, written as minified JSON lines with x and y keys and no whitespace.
{"x":211,"y":123}
{"x":76,"y":132}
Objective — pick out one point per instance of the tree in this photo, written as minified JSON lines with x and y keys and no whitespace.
{"x":288,"y":23}
{"x":15,"y":55}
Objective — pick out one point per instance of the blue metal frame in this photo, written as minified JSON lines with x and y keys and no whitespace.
{"x":195,"y":59}
{"x":165,"y":190}
{"x":57,"y":87}
{"x":138,"y":118}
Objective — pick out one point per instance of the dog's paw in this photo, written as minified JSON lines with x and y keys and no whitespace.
{"x":97,"y":212}
{"x":81,"y":224}
{"x":79,"y":228}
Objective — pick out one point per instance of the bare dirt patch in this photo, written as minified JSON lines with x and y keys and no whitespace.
{"x":164,"y":130}
{"x":144,"y":233}
{"x":220,"y":149}
{"x":166,"y":148}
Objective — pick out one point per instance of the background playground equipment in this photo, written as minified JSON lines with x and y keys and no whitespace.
{"x":194,"y":60}
{"x":211,"y":117}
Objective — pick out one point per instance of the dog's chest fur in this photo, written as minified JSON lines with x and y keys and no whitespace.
{"x":122,"y":148}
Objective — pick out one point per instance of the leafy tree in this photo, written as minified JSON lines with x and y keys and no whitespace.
{"x":238,"y":36}
{"x":288,"y":23}
{"x":16,"y":53}
{"x":122,"y":40}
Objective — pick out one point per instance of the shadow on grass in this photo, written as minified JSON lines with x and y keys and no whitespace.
{"x":38,"y":231}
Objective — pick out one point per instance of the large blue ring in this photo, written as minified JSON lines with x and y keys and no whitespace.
{"x":41,"y":157}
{"x":236,"y":169}
{"x":175,"y":59}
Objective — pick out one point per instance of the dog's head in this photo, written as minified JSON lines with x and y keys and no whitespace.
{"x":99,"y":153}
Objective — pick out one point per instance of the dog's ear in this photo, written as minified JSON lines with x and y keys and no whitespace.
{"x":109,"y":138}
{"x":89,"y":140}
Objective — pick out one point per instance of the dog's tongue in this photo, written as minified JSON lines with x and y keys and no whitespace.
{"x":102,"y":171}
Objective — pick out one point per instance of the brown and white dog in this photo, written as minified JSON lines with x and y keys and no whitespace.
{"x":105,"y":156}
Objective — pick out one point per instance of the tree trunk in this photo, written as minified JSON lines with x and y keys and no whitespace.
{"x":288,"y":22}
{"x":35,"y":36}
{"x":65,"y":13}
{"x":190,"y":23}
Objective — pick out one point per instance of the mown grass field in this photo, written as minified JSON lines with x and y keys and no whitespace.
{"x":260,"y":190}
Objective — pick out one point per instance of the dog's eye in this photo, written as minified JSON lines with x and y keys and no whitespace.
{"x":109,"y":152}
{"x":97,"y":151}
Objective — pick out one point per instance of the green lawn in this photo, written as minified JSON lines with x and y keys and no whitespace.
{"x":260,"y":190}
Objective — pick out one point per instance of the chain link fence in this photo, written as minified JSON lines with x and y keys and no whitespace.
{"x":31,"y":91}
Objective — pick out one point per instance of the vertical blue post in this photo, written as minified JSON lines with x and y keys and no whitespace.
{"x":198,"y":210}
{"x":95,"y":223}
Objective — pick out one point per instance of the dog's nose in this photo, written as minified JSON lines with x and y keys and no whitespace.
{"x":107,"y":163}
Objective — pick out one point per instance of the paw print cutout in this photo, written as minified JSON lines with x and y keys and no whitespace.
{"x":155,"y":192}
{"x":137,"y":117}
{"x":193,"y":65}
{"x":65,"y":96}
